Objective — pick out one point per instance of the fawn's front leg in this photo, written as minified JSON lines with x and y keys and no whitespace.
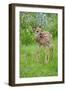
{"x":47,"y":52}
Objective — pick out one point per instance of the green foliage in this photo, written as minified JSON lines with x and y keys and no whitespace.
{"x":52,"y":24}
{"x":28,"y":20}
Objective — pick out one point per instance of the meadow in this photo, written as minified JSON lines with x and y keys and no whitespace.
{"x":33,"y":66}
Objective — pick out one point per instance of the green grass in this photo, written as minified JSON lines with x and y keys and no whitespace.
{"x":32,"y":61}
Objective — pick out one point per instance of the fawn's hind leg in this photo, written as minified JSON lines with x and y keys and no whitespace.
{"x":48,"y":54}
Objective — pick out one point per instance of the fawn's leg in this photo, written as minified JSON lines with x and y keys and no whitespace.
{"x":37,"y":54}
{"x":46,"y":55}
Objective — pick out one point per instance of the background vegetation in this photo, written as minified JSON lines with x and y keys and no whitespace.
{"x":30,"y":65}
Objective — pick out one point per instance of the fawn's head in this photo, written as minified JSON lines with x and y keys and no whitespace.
{"x":37,"y":30}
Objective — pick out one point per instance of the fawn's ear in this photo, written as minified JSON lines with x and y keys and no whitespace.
{"x":40,"y":26}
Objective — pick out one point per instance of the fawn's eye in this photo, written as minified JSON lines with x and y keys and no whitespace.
{"x":37,"y":31}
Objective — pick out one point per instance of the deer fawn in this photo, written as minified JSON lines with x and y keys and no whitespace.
{"x":44,"y":38}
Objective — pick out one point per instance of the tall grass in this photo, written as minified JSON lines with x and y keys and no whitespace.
{"x":32,"y":61}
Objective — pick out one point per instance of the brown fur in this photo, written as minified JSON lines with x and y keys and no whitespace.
{"x":44,"y":38}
